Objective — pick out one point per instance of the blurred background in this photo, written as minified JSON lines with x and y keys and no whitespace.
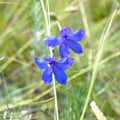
{"x":23,"y":96}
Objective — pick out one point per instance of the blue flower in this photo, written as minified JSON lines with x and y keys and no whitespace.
{"x":52,"y":66}
{"x":67,"y":40}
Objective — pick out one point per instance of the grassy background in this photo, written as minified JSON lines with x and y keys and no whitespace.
{"x":23,"y":96}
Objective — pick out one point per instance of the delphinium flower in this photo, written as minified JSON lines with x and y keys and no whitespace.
{"x":67,"y":39}
{"x":53,"y":66}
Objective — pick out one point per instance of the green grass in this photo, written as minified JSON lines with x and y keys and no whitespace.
{"x":23,"y":96}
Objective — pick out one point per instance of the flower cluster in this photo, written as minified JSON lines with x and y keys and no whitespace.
{"x":66,"y":40}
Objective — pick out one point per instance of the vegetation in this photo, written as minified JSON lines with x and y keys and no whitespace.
{"x":23,"y":96}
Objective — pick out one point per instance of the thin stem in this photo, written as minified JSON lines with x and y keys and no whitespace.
{"x":99,"y":53}
{"x":55,"y":95}
{"x":59,"y":26}
{"x":47,"y":21}
{"x":68,"y":113}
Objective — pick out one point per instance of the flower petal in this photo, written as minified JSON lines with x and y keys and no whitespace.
{"x":50,"y":59}
{"x":51,"y":41}
{"x":76,"y":47}
{"x":47,"y":75}
{"x":77,"y":35}
{"x":64,"y":51}
{"x":40,"y":64}
{"x":60,"y":75}
{"x":65,"y":32}
{"x":64,"y":64}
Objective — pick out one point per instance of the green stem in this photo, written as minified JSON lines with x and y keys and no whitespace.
{"x":55,"y":95}
{"x":88,"y":95}
{"x":47,"y":21}
{"x":99,"y":53}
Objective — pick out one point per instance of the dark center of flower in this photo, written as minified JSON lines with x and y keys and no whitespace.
{"x":51,"y":61}
{"x":65,"y":39}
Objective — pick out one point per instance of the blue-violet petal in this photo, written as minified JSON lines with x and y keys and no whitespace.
{"x":51,"y":41}
{"x":60,"y":75}
{"x":65,"y":32}
{"x":40,"y":64}
{"x":77,"y":35}
{"x":64,"y":64}
{"x":76,"y":47}
{"x":47,"y":75}
{"x":64,"y":50}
